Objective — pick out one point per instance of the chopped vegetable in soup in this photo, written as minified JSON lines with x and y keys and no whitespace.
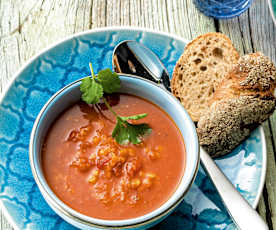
{"x":93,"y":174}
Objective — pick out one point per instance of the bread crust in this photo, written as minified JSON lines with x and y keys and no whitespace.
{"x":254,"y":74}
{"x":199,"y":70}
{"x":230,"y":121}
{"x":242,"y":101}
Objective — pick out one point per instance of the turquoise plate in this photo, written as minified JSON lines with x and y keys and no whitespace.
{"x":66,"y":62}
{"x":272,"y":8}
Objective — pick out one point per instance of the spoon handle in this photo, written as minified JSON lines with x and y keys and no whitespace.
{"x":244,"y":216}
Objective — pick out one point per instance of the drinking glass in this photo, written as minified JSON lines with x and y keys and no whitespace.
{"x":222,"y":9}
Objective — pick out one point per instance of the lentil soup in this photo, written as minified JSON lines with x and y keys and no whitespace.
{"x":95,"y":176}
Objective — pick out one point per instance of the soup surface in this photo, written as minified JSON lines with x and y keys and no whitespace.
{"x":94,"y":175}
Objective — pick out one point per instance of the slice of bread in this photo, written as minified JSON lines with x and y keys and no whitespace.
{"x":204,"y":63}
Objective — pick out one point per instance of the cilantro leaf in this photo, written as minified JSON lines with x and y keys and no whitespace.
{"x":109,"y":80}
{"x":92,"y":91}
{"x":134,"y":117}
{"x":118,"y":133}
{"x":125,"y":132}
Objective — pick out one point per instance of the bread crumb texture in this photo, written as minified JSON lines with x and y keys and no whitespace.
{"x":201,"y":67}
{"x":230,"y":121}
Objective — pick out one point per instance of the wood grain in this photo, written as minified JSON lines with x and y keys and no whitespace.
{"x":27,"y":26}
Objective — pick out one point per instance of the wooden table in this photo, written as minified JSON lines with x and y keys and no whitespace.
{"x":27,"y":26}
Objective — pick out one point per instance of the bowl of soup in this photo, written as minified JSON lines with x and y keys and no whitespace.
{"x":93,"y":182}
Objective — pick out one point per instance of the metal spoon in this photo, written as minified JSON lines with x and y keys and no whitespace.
{"x":134,"y":58}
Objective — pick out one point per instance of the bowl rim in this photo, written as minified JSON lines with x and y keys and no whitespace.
{"x":58,"y":205}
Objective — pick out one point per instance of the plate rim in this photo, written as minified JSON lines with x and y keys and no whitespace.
{"x":272,"y":11}
{"x":7,"y":215}
{"x":264,"y":169}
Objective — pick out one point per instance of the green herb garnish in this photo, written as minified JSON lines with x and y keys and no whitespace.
{"x":93,"y":89}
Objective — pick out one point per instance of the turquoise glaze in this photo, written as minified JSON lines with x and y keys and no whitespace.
{"x":68,"y":61}
{"x":272,"y":7}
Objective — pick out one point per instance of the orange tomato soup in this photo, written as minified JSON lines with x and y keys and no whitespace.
{"x":95,"y":176}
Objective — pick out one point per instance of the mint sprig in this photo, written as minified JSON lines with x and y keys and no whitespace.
{"x":106,"y":81}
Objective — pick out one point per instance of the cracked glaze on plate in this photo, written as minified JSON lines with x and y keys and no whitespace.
{"x":67,"y":61}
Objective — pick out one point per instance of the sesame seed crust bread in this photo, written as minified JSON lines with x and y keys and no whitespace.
{"x":205,"y":62}
{"x":242,"y":101}
{"x":254,"y":74}
{"x":230,"y":121}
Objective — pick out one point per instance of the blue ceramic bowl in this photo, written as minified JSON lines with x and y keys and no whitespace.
{"x":135,"y":86}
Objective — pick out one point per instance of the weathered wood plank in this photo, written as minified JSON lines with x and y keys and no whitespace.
{"x":270,"y":186}
{"x":262,"y":207}
{"x":186,"y":21}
